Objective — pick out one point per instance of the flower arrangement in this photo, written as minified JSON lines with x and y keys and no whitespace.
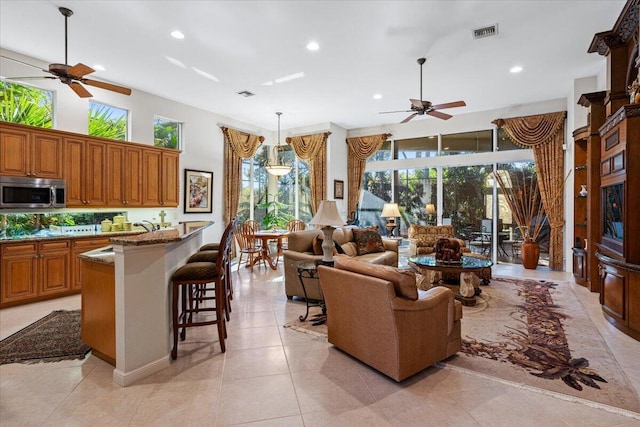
{"x":634,"y":91}
{"x":523,"y":197}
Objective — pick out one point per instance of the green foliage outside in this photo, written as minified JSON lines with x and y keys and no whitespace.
{"x":275,"y":215}
{"x":102,"y":122}
{"x":166,"y":134}
{"x":26,"y":105}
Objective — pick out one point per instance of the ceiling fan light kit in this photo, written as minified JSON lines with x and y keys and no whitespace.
{"x":73,"y":76}
{"x":419,"y":107}
{"x":276,"y":168}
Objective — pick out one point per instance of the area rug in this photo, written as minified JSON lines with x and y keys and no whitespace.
{"x":53,"y":338}
{"x":536,"y":335}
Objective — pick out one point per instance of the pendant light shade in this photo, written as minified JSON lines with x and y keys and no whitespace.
{"x":276,"y":168}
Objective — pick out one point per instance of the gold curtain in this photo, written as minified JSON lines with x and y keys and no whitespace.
{"x":313,"y":148}
{"x":238,"y":145}
{"x":360,"y":149}
{"x":544,"y":133}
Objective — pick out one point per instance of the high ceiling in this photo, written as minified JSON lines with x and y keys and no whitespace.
{"x":365,"y":48}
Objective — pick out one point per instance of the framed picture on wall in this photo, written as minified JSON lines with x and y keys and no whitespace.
{"x":198,"y":187}
{"x":338,"y":189}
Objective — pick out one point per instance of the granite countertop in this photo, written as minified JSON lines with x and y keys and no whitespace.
{"x":166,"y":235}
{"x":46,"y":236}
{"x":103,"y":255}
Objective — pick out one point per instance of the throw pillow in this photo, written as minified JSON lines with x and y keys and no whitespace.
{"x":404,"y":281}
{"x":316,"y":244}
{"x":368,"y":241}
{"x":338,"y":248}
{"x":350,"y":249}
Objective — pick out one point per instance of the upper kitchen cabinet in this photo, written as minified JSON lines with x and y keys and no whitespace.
{"x":36,"y":154}
{"x":85,"y":172}
{"x":124,"y":175}
{"x":160,"y":178}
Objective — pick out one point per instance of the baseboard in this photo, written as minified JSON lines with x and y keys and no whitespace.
{"x":125,"y":379}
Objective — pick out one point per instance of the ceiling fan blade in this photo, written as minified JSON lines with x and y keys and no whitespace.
{"x":108,"y":86}
{"x":409,"y":118}
{"x":417,"y":103}
{"x":449,"y":105}
{"x":80,"y":70}
{"x":30,"y":78}
{"x":80,"y":90}
{"x":439,"y":115}
{"x":22,"y":62}
{"x":399,"y":111}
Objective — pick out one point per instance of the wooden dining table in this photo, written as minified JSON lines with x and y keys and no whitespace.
{"x":265,"y":236}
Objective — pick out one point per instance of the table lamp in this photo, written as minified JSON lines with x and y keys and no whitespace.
{"x":391,"y":212}
{"x":431,"y":210}
{"x":328,"y":217}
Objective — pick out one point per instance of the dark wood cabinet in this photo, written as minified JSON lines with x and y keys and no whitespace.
{"x":36,"y":154}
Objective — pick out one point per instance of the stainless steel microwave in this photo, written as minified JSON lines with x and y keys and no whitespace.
{"x":31,"y":193}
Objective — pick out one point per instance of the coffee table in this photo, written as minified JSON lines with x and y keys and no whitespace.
{"x":481,"y":267}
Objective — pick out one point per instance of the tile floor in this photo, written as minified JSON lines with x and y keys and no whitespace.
{"x":272,"y":376}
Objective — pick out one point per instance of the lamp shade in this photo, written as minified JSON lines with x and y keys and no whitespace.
{"x":430,"y":208}
{"x":390,"y":210}
{"x":327,"y":214}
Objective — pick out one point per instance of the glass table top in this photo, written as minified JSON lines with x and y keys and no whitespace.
{"x":467,"y":262}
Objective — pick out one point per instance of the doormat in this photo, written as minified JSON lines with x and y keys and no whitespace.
{"x":53,"y":338}
{"x":538,"y":334}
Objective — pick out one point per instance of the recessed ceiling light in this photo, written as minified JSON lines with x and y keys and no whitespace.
{"x":205,"y":74}
{"x":174,"y":61}
{"x":177,"y":35}
{"x":515,"y":69}
{"x":98,"y":67}
{"x":377,"y":96}
{"x":313,"y":45}
{"x":269,"y":83}
{"x":289,"y":77}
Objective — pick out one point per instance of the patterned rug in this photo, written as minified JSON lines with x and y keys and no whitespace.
{"x":53,"y":338}
{"x":536,"y":335}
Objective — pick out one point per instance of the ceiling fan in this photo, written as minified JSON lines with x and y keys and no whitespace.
{"x":73,"y":76}
{"x":420,"y":107}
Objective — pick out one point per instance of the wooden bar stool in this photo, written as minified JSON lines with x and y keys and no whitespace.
{"x":189,"y":284}
{"x":212,"y":256}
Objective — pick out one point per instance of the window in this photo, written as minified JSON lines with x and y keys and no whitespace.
{"x":505,"y":143}
{"x":466,"y":196}
{"x":376,"y":191}
{"x":106,"y":121}
{"x":26,"y":105}
{"x":467,"y":143}
{"x":415,"y":188}
{"x":416,"y":147}
{"x":384,"y":153}
{"x":167,"y":133}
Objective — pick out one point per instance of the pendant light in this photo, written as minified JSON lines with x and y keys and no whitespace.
{"x":276,"y":168}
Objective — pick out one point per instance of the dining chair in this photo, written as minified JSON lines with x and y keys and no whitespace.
{"x":249,"y":244}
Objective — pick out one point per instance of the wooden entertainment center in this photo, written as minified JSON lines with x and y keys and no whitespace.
{"x":606,"y":254}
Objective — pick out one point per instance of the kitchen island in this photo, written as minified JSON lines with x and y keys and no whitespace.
{"x":143,"y":265}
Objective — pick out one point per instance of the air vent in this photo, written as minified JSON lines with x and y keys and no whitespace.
{"x":246,"y":93}
{"x":489,"y":31}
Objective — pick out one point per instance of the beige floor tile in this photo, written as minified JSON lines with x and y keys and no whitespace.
{"x":268,"y":336}
{"x":294,"y":421}
{"x":254,"y":362}
{"x":257,"y":398}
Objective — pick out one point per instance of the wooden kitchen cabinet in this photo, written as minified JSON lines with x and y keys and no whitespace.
{"x":30,"y":154}
{"x":160,"y":178}
{"x":79,"y":246}
{"x":35,"y":270}
{"x":19,"y":272}
{"x":98,"y":172}
{"x":124,"y":176}
{"x":85,"y":172}
{"x":54,"y":259}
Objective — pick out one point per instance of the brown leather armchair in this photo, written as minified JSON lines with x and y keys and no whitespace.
{"x":394,"y":335}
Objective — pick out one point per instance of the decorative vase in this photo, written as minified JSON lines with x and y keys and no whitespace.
{"x":583,"y":190}
{"x":530,"y":254}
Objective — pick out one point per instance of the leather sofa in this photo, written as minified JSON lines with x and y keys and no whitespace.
{"x":371,"y":319}
{"x":423,"y":238}
{"x":300,"y":248}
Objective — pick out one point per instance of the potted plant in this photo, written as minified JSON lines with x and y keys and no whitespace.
{"x":523,"y":197}
{"x":274,"y":218}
